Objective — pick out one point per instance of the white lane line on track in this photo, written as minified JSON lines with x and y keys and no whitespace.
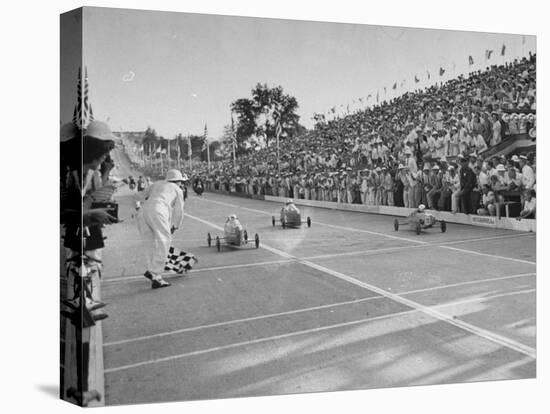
{"x":469,"y":282}
{"x":307,"y":331}
{"x":360,"y":252}
{"x":254,"y":342}
{"x":191,"y":272}
{"x":482,"y":333}
{"x":494,"y":256}
{"x":313,"y":308}
{"x":402,"y":248}
{"x":235,"y":321}
{"x":504,"y":236}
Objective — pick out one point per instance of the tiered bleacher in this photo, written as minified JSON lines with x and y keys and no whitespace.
{"x":415,"y":149}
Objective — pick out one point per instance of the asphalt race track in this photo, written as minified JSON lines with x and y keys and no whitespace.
{"x":346,"y":304}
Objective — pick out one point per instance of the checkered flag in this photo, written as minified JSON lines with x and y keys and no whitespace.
{"x":179,"y":261}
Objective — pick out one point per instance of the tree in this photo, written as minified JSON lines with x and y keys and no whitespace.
{"x":259,"y":116}
{"x":150,"y":140}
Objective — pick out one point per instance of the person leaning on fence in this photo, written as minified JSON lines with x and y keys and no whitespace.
{"x":529,"y":205}
{"x":161,"y":214}
{"x":434,"y":188}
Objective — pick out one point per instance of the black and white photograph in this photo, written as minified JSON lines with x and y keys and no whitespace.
{"x":256,"y":206}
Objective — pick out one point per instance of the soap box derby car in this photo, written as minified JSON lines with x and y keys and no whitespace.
{"x":420,"y":220}
{"x":290,"y":216}
{"x":234,"y":235}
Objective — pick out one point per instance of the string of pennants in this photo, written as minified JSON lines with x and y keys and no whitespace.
{"x":417,"y":79}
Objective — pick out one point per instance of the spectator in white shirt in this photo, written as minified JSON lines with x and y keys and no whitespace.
{"x":527,"y":173}
{"x":529,"y":205}
{"x":497,"y":127}
{"x":512,"y":179}
{"x":479,"y":143}
{"x":488,"y":203}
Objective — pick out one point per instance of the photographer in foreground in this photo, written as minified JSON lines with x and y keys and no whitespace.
{"x":86,"y":164}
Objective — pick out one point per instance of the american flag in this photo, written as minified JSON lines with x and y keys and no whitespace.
{"x":233,"y":132}
{"x":83,"y":113}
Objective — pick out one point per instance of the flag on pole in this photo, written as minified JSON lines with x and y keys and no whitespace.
{"x":523,"y":40}
{"x":385,"y":90}
{"x":378,"y":95}
{"x":470,"y":60}
{"x":189,"y":149}
{"x":441,"y":71}
{"x":233,"y":133}
{"x":488,"y":54}
{"x":416,"y":80}
{"x":394,"y":87}
{"x":205,"y":139}
{"x":369,"y":96}
{"x":83,"y":113}
{"x":428,"y":72}
{"x":503,"y":50}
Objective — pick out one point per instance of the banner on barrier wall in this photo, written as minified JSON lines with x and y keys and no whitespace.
{"x":484,"y":220}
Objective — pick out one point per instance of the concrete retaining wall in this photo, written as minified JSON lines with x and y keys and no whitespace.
{"x":459,"y":218}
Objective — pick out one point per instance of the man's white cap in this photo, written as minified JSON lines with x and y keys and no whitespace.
{"x":174,"y":175}
{"x":422,"y":207}
{"x":500,"y":167}
{"x":290,"y":201}
{"x":99,"y":130}
{"x":515,"y":158}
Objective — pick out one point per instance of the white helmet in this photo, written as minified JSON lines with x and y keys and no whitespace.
{"x":233,"y":217}
{"x":421,"y":207}
{"x":174,"y":175}
{"x":290,"y":201}
{"x":99,"y":130}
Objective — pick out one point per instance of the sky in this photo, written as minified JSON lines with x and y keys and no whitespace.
{"x":177,"y":72}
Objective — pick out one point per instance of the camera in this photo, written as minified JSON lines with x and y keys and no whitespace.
{"x":110,"y":206}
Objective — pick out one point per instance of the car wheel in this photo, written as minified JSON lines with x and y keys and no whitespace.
{"x":283,"y":223}
{"x":245,"y":236}
{"x":443,"y":226}
{"x":273,"y":220}
{"x":309,"y":221}
{"x":209,"y":239}
{"x":218,"y":243}
{"x":418,"y":228}
{"x":257,"y":240}
{"x":396,"y":224}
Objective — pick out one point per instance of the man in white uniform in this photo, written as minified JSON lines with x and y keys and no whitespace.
{"x":159,"y":217}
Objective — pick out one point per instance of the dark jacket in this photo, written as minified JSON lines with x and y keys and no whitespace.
{"x":467,"y":179}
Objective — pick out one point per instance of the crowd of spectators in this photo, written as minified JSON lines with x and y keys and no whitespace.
{"x":431,"y":146}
